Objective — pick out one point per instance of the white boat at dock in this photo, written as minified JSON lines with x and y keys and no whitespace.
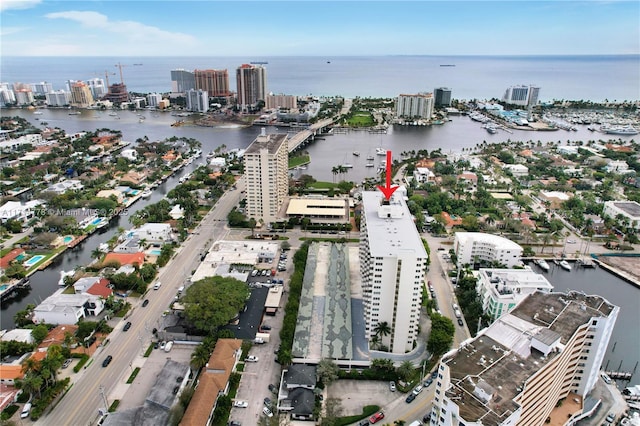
{"x":565,"y":265}
{"x":542,"y":264}
{"x":146,"y":193}
{"x":369,"y":165}
{"x":347,"y":165}
{"x":381,"y":151}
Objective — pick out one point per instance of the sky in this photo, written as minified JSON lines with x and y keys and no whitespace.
{"x":317,"y":28}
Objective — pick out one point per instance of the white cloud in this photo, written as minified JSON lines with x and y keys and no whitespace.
{"x":18,"y":4}
{"x":5,"y":31}
{"x":128,"y":29}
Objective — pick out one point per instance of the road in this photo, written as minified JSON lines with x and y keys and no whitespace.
{"x":81,"y":404}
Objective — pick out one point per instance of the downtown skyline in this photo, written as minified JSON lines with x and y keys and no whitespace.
{"x":310,"y":28}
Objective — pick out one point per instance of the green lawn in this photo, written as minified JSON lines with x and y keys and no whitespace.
{"x":323,"y":185}
{"x":298,"y":160}
{"x":361,"y":119}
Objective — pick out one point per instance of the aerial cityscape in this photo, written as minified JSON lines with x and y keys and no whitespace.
{"x":303,"y":228}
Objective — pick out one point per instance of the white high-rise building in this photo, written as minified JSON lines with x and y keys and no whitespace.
{"x":7,"y":95}
{"x":154,"y":99}
{"x":42,"y":88}
{"x":415,"y":106}
{"x":550,"y":347}
{"x":266,"y":171}
{"x":58,"y":98}
{"x":525,"y":96}
{"x":393,"y":261}
{"x":24,"y":96}
{"x":97,"y":87}
{"x":197,"y":100}
{"x":478,"y":247}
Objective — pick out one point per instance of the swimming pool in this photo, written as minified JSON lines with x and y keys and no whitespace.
{"x":35,"y":259}
{"x":134,"y":192}
{"x":95,"y":221}
{"x":4,"y":287}
{"x":67,"y":239}
{"x":155,"y":252}
{"x":20,"y":257}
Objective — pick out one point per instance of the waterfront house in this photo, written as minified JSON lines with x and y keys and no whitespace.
{"x":124,"y":258}
{"x":154,"y":232}
{"x":22,"y":212}
{"x":108,"y":193}
{"x":64,"y":186}
{"x":62,"y":308}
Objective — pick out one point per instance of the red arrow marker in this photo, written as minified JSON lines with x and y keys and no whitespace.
{"x":388,"y":190}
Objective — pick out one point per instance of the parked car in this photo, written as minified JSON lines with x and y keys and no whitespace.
{"x":267,"y":402}
{"x":410,"y":398}
{"x":163,"y":344}
{"x":417,"y":389}
{"x":25,"y":410}
{"x":376,"y":417}
{"x":127,"y":326}
{"x":240,"y":404}
{"x":610,"y":417}
{"x":428,"y":382}
{"x":251,"y":358}
{"x":434,"y":374}
{"x":67,"y":363}
{"x":107,"y":360}
{"x":265,"y":327}
{"x":364,"y":423}
{"x":392,"y":386}
{"x":145,"y":303}
{"x":272,"y":388}
{"x":267,"y":412}
{"x":460,"y":322}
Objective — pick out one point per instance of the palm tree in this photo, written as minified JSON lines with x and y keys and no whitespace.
{"x":200,"y":356}
{"x":382,"y":329}
{"x":405,"y":370}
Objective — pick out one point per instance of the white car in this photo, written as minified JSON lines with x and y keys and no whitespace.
{"x":251,"y":358}
{"x":417,"y":389}
{"x":241,"y":404}
{"x":267,"y":412}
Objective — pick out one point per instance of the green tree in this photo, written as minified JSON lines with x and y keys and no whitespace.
{"x":200,"y":356}
{"x":327,"y":371}
{"x":382,"y":329}
{"x":212,"y":302}
{"x":405,"y":370}
{"x":39,"y":333}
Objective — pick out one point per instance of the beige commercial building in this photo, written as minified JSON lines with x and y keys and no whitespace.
{"x":550,"y":347}
{"x":266,"y":171}
{"x":81,"y":95}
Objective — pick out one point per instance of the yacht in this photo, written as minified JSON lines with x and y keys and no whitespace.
{"x":370,"y":157}
{"x":381,"y":151}
{"x":356,"y":153}
{"x":347,"y":165}
{"x":625,"y":131}
{"x":565,"y":265}
{"x":146,"y":193}
{"x":38,"y":113}
{"x":542,"y":264}
{"x":113,"y":114}
{"x":369,"y":165}
{"x":63,"y":275}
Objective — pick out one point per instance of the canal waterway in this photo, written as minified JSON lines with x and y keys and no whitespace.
{"x":451,"y":137}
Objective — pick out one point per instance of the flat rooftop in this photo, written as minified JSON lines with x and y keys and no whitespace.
{"x":631,"y":208}
{"x":388,"y":236}
{"x":270,"y":142}
{"x":502,"y":357}
{"x":318,"y":207}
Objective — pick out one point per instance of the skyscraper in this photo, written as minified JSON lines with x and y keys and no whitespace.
{"x":415,"y":106}
{"x":392,"y":262}
{"x":182,"y":81}
{"x":197,"y":100}
{"x":525,"y":96}
{"x":81,"y":95}
{"x":267,"y":175}
{"x":442,"y":96}
{"x":550,"y":347}
{"x":251,"y":85}
{"x":214,"y":82}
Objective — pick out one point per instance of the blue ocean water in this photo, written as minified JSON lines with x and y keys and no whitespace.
{"x":595,"y":78}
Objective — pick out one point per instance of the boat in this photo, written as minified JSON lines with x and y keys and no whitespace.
{"x":146,"y":193}
{"x":63,"y":275}
{"x":565,"y":265}
{"x":75,"y":113}
{"x":347,"y":165}
{"x":623,"y":131}
{"x":370,"y":157}
{"x":113,"y":114}
{"x":447,"y":65}
{"x":381,"y":151}
{"x":141,"y":120}
{"x":356,"y":153}
{"x":369,"y":165}
{"x":491,"y":129}
{"x":37,"y":113}
{"x":542,"y":264}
